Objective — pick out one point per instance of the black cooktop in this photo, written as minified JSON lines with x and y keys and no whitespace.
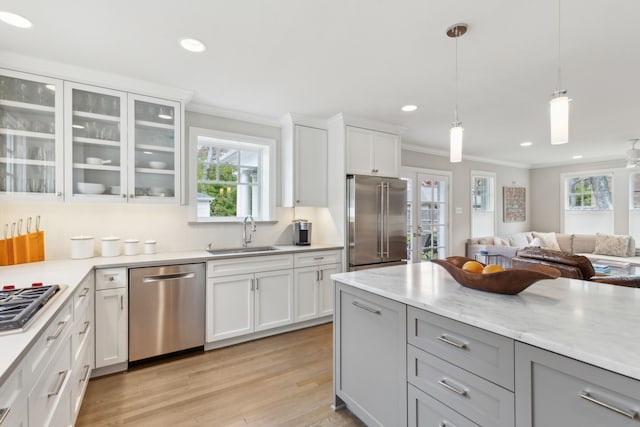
{"x":17,"y":306}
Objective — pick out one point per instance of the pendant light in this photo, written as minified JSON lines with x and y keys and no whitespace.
{"x":559,"y":105}
{"x":456,"y":131}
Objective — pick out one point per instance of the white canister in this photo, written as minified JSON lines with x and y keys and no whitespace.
{"x":150,"y":247}
{"x":81,"y":247}
{"x":131,"y":247}
{"x":110,"y":246}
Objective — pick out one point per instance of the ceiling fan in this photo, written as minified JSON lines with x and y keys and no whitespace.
{"x":633,"y":154}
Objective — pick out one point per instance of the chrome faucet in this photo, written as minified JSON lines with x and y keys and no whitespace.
{"x":245,"y":239}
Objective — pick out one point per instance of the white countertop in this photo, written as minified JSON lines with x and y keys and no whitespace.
{"x":13,"y":346}
{"x":596,"y":323}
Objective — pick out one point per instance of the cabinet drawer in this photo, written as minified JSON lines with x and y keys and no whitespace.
{"x":13,"y":402}
{"x":308,"y":259}
{"x":231,"y":266}
{"x":47,"y":343}
{"x":51,"y":390}
{"x":80,"y":373}
{"x":484,"y":353}
{"x":82,"y":331}
{"x":82,"y":297}
{"x":555,"y":390}
{"x":109,"y":278}
{"x":425,"y":411}
{"x":476,"y":398}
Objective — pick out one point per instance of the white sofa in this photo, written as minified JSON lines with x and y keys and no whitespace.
{"x":582,"y":244}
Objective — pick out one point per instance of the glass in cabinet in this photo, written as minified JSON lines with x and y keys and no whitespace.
{"x":154,"y":125}
{"x":96,"y":153}
{"x":30,"y":135}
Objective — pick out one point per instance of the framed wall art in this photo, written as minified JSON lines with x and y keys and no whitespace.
{"x":514,"y":204}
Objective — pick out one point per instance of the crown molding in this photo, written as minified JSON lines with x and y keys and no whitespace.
{"x":349,"y":120}
{"x":242,"y":116}
{"x":442,"y":153}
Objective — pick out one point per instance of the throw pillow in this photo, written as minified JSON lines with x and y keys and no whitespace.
{"x":518,"y":240}
{"x":608,"y":244}
{"x":584,"y":243}
{"x":631,"y":251}
{"x":565,"y":241}
{"x":547,"y":240}
{"x":499,"y":241}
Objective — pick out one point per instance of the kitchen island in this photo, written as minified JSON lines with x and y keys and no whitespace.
{"x":413,"y":346}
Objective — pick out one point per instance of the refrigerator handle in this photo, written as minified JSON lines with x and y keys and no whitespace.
{"x":386,"y":218}
{"x":380,"y":245}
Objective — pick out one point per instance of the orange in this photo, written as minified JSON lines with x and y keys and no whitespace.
{"x":472,"y":267}
{"x":492,"y":268}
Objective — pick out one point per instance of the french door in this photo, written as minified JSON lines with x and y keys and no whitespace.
{"x":427,"y":215}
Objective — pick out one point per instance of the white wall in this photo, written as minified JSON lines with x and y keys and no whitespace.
{"x":165,"y":223}
{"x":506,"y":176}
{"x":546,"y":203}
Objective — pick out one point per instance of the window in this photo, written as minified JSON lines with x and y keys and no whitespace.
{"x":589,"y":192}
{"x":634,"y":207}
{"x":588,"y":203}
{"x":233,"y":176}
{"x":483,"y":215}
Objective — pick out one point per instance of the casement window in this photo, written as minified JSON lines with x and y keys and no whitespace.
{"x":588,"y":203}
{"x":232,"y":176}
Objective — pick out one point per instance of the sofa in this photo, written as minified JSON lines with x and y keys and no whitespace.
{"x":616,"y":250}
{"x":569,"y":265}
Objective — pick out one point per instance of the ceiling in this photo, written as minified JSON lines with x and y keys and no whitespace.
{"x":368,"y":58}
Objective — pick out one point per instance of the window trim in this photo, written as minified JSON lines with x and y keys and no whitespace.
{"x":494,"y":176}
{"x":268,"y":194}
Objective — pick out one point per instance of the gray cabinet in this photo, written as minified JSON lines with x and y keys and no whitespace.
{"x":553,"y":390}
{"x":425,"y":411}
{"x":370,"y":371}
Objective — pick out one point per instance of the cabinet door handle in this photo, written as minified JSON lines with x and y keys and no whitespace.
{"x":252,"y":284}
{"x":321,"y":274}
{"x":4,"y":413}
{"x":57,"y":332}
{"x":257,"y":285}
{"x":456,"y":390}
{"x":86,"y":373}
{"x":86,"y":328}
{"x":586,"y":395}
{"x":366,"y":307}
{"x":61,"y":376}
{"x":317,"y":276}
{"x":448,"y":340}
{"x":121,"y":302}
{"x":84,"y":293}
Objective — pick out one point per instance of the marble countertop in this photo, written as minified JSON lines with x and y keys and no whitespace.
{"x":70,"y":274}
{"x":591,"y":322}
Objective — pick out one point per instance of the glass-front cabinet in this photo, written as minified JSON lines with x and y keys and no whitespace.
{"x":121,"y":145}
{"x":31,"y":145}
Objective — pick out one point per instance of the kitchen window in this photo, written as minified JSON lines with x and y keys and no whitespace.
{"x":232,"y":176}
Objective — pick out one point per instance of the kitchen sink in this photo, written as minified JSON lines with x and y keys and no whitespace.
{"x":242,"y":250}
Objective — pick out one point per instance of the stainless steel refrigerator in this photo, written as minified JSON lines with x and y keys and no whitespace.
{"x":377,"y":221}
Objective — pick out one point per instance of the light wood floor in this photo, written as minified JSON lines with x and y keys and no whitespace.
{"x":284,"y":380}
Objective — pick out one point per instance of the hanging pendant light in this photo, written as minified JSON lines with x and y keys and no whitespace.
{"x":559,"y":105}
{"x":456,"y":132}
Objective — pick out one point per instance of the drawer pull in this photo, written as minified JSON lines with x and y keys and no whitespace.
{"x":587,"y":396}
{"x":61,"y":377}
{"x":318,"y":258}
{"x":460,"y":345}
{"x":57,"y":332}
{"x":86,"y":328}
{"x":84,"y":293}
{"x":86,"y":373}
{"x":456,"y":390}
{"x":366,"y":307}
{"x":4,"y":413}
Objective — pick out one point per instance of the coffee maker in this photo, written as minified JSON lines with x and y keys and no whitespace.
{"x":301,"y":232}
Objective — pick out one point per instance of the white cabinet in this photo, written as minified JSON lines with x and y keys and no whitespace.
{"x":112,"y":319}
{"x":120,"y":146}
{"x":370,"y":152}
{"x":31,"y":145}
{"x":13,"y":400}
{"x":370,"y":373}
{"x":248,"y":295}
{"x":304,"y":165}
{"x":313,"y":287}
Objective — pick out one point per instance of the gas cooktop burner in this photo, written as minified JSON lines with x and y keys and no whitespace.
{"x":17,"y":306}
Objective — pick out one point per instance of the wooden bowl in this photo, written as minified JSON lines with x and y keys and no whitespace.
{"x":509,"y":282}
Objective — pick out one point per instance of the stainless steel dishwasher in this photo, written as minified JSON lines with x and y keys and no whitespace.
{"x":166,"y":309}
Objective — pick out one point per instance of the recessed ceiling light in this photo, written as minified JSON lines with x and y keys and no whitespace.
{"x":526,"y":144}
{"x":577,"y":156}
{"x":15,"y":20}
{"x":193,"y":45}
{"x":409,"y":108}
